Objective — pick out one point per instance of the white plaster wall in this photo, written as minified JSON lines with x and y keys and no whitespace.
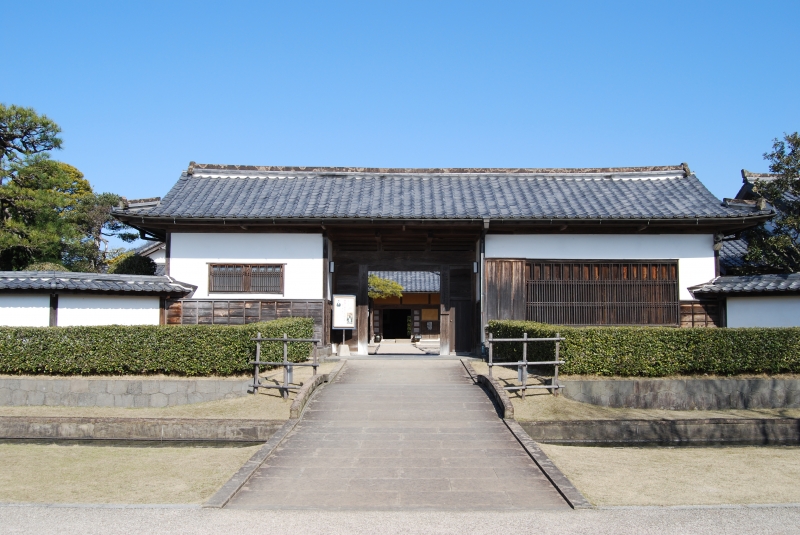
{"x":190,"y":254}
{"x":25,"y":310}
{"x":694,"y":252}
{"x":107,"y":310}
{"x":769,"y":311}
{"x":159,"y":257}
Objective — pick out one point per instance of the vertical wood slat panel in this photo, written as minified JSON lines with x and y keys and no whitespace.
{"x":603,"y":293}
{"x":505,"y":289}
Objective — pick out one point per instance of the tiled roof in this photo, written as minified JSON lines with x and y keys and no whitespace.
{"x":732,"y":254}
{"x":783,"y":283}
{"x":412,"y":281}
{"x":91,"y":282}
{"x":239,"y":192}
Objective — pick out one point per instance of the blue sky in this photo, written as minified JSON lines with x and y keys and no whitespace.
{"x":142,"y":88}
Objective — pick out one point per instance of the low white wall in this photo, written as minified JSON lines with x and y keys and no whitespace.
{"x":769,"y":311}
{"x":694,"y":252}
{"x":190,"y":254}
{"x":25,"y":310}
{"x":107,"y":310}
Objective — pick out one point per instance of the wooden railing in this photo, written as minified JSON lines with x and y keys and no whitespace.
{"x":522,"y":365}
{"x":288,"y":367}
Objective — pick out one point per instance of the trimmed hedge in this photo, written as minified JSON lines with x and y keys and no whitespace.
{"x":193,"y":350}
{"x":655,"y":351}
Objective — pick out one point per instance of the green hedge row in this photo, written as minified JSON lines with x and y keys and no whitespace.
{"x":195,"y":350}
{"x":655,"y":351}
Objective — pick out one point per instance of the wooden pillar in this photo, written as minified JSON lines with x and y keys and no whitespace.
{"x":445,"y":324}
{"x":362,"y":309}
{"x":53,"y":310}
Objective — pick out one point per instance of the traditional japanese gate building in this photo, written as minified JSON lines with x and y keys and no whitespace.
{"x":619,"y":246}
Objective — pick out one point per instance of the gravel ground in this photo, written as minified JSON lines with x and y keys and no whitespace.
{"x":681,"y":476}
{"x":657,"y":521}
{"x":101,"y":473}
{"x":540,"y":405}
{"x":267,"y":405}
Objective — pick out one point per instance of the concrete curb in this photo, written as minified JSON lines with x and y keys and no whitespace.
{"x":470,"y":370}
{"x":304,"y":394}
{"x":232,"y":486}
{"x":334,"y":373}
{"x":574,"y":498}
{"x":499,"y":394}
{"x":134,"y":429}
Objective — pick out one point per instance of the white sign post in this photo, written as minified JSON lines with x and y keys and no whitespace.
{"x":344,"y":314}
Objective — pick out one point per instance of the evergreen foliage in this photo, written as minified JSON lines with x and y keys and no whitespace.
{"x":774,"y":247}
{"x":191,"y":350}
{"x":655,"y":351}
{"x":380,"y":288}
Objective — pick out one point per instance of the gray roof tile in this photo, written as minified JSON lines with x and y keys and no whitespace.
{"x":217,"y":192}
{"x":781,"y":283}
{"x":91,"y":282}
{"x":412,"y":281}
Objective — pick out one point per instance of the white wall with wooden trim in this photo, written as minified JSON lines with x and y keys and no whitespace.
{"x":191,"y":254}
{"x":694,"y":252}
{"x":108,"y":310}
{"x":763,"y":311}
{"x":25,"y":310}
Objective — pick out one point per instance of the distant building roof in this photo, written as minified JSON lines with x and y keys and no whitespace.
{"x":749,"y":284}
{"x":92,"y":283}
{"x":223,"y":192}
{"x":731,"y":257}
{"x":412,"y":281}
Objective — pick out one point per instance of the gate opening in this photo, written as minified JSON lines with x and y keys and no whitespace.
{"x":397,"y":323}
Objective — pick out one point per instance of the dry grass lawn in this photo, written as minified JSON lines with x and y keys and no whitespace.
{"x":57,"y":473}
{"x":540,"y":405}
{"x":267,"y":405}
{"x":681,"y":476}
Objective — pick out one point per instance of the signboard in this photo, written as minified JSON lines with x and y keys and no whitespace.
{"x":344,"y":311}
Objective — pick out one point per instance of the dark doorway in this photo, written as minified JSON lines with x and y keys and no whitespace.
{"x":396,"y":322}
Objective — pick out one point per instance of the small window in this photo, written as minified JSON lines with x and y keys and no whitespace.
{"x":250,"y":278}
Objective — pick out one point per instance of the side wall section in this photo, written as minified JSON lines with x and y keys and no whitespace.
{"x":108,"y":310}
{"x":25,"y":310}
{"x":694,"y":252}
{"x":302,"y":254}
{"x":766,"y":311}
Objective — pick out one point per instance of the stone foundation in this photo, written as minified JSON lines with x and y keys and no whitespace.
{"x":686,"y":394}
{"x":80,"y":392}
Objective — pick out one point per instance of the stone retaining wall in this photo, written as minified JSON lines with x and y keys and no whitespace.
{"x":82,"y":392}
{"x":686,"y":394}
{"x":706,"y":432}
{"x":161,"y":429}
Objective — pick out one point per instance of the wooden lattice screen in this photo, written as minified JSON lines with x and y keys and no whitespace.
{"x":602,"y":293}
{"x":252,"y":278}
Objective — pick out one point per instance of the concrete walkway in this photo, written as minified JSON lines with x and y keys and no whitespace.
{"x":405,"y":434}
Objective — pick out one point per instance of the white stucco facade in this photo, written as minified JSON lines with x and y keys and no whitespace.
{"x":107,"y":310}
{"x":694,"y":252}
{"x":764,"y":311}
{"x":25,"y":310}
{"x":301,"y":254}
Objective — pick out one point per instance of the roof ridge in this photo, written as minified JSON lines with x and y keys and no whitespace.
{"x":193,"y":167}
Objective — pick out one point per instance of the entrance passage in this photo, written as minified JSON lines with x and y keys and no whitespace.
{"x":407,"y":434}
{"x":396,"y":323}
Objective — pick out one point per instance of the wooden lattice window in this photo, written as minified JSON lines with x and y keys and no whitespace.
{"x":247,"y":278}
{"x":602,"y":292}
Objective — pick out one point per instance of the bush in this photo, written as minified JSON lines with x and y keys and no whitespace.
{"x":134,"y":265}
{"x":45,"y":266}
{"x":655,"y":351}
{"x":193,"y":350}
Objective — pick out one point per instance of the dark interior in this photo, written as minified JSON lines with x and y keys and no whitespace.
{"x":395,"y":323}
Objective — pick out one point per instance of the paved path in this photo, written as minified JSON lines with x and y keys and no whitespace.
{"x":405,"y":434}
{"x":648,"y":521}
